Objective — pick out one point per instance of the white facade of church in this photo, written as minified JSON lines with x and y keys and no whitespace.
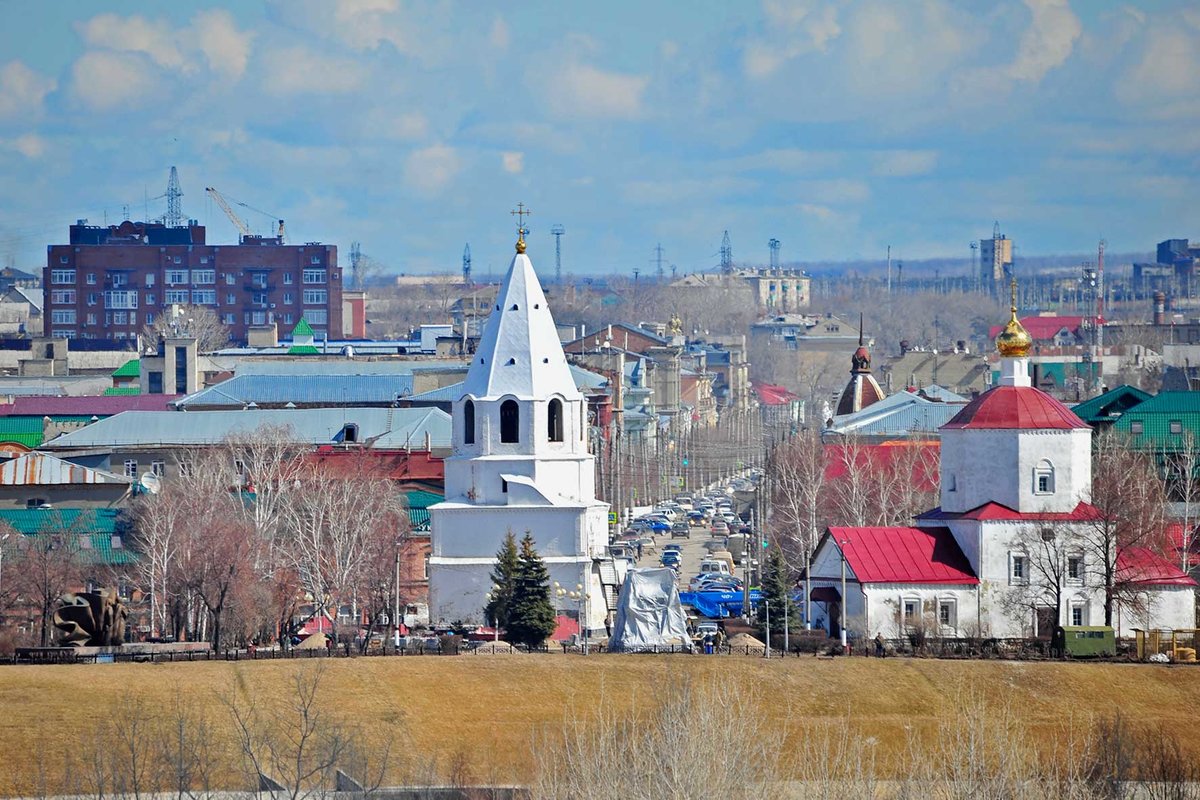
{"x":520,"y":462}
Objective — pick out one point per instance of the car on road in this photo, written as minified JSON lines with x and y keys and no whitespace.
{"x":672,"y":548}
{"x":670,"y":557}
{"x":655,"y":525}
{"x":681,"y":530}
{"x":720,"y":528}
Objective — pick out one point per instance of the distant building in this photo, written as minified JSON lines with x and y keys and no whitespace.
{"x":862,"y":390}
{"x":111,"y":281}
{"x":995,"y":258}
{"x":806,"y":332}
{"x":774,"y":290}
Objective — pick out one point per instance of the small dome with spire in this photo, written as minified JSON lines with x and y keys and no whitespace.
{"x":1014,"y":341}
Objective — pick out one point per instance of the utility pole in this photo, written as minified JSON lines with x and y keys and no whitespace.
{"x":889,"y":268}
{"x":726,"y":255}
{"x":658,"y":258}
{"x":466,"y":265}
{"x":558,"y":231}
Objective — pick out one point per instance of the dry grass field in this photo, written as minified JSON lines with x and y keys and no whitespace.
{"x":486,"y":713}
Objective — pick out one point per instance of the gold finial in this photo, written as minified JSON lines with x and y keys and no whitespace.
{"x":1014,"y":341}
{"x":520,"y":213}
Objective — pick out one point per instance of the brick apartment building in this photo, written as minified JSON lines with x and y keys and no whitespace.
{"x":111,"y":281}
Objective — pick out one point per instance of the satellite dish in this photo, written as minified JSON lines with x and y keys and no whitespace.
{"x":150,"y":482}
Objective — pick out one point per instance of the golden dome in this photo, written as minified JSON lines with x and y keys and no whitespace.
{"x":1014,"y":341}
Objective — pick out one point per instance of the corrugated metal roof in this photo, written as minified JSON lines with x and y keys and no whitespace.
{"x":1015,"y":408}
{"x":332,"y":390}
{"x":394,"y":427}
{"x":27,"y":431}
{"x":93,"y":534}
{"x":95,"y":405}
{"x":43,"y":469}
{"x":345,"y":366}
{"x":904,"y":555}
{"x":1108,"y":406}
{"x":896,"y":415}
{"x":584,"y":379}
{"x":121,"y":391}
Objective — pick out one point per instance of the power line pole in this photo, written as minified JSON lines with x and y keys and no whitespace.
{"x":558,"y":231}
{"x":726,"y":255}
{"x":466,"y":267}
{"x":658,"y":254}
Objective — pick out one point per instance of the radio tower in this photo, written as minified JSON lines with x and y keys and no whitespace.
{"x":658,"y":251}
{"x":774,"y":244}
{"x":558,"y":231}
{"x":467,"y":264}
{"x":726,"y":255}
{"x":174,"y":206}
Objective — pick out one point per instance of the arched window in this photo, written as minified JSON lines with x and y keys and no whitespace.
{"x":510,"y":422}
{"x":1043,"y":478}
{"x":554,"y":421}
{"x":469,"y":422}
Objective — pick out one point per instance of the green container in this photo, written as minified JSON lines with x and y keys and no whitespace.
{"x":1089,"y":640}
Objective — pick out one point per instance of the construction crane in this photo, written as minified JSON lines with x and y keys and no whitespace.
{"x":237,"y":221}
{"x":174,"y":196}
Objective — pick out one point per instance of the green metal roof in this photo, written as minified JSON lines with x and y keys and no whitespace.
{"x":1149,"y":424}
{"x":302,"y":329}
{"x":27,"y":431}
{"x":122,"y":391}
{"x":419,"y":502}
{"x":93,"y":530}
{"x":130,"y":369}
{"x":1112,"y":404}
{"x":303,"y":350}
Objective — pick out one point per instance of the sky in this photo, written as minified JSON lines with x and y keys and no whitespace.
{"x":839,"y":127}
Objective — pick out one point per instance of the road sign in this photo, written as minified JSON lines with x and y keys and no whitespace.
{"x":612,"y":518}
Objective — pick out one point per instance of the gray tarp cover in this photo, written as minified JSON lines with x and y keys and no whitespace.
{"x":648,"y":613}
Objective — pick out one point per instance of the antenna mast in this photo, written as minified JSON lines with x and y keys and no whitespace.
{"x":467,"y":264}
{"x":174,"y":205}
{"x":726,"y":255}
{"x":558,"y":231}
{"x":658,"y":253}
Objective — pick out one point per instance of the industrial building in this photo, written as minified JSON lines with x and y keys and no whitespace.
{"x":111,"y":281}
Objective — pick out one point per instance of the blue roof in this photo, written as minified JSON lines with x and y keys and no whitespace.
{"x":584,"y":379}
{"x":310,"y":390}
{"x":900,"y":414}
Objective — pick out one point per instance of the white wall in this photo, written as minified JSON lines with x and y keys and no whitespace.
{"x":970,"y":460}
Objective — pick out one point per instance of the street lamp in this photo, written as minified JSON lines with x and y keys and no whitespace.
{"x":396,"y":603}
{"x":842,"y":622}
{"x":3,"y":541}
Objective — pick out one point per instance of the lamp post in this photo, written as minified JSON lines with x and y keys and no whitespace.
{"x":581,"y":599}
{"x":396,"y":600}
{"x":842,"y":622}
{"x":3,"y":541}
{"x":767,"y":647}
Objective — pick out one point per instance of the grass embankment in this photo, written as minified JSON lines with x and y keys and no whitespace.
{"x":488,"y":711}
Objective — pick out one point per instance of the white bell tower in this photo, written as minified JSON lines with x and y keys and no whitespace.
{"x":520,"y":460}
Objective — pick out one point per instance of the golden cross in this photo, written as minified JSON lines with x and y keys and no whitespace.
{"x":520,"y":214}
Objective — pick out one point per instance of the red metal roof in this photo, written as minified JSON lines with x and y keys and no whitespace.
{"x":1044,"y":327}
{"x":1084,"y":512}
{"x":89,"y":406}
{"x":1142,"y":566}
{"x":772,"y":395}
{"x":1015,"y":407}
{"x":841,"y":458}
{"x":904,"y":555}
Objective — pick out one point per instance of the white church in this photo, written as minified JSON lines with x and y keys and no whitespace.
{"x":1003,"y":555}
{"x":520,"y":462}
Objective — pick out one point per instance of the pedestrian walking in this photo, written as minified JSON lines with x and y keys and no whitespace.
{"x":879,"y":651}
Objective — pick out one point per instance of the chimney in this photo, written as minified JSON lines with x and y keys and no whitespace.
{"x":1160,"y":308}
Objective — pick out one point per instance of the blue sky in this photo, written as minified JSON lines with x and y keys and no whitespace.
{"x":837,"y":127}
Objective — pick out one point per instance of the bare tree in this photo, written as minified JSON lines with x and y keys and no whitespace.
{"x":47,"y":566}
{"x":798,"y":484}
{"x":1048,"y":552}
{"x":198,"y":322}
{"x":1183,"y":487}
{"x":1129,"y":501}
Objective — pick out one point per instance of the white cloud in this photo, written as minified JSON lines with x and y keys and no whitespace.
{"x":819,"y":212}
{"x":29,"y":145}
{"x":102,"y":80}
{"x":794,"y":27}
{"x":1047,"y":42}
{"x":358,"y":24}
{"x":896,"y":51}
{"x":905,"y":163}
{"x":499,"y":36}
{"x":226,"y":48}
{"x":513,"y":162}
{"x":585,"y":91}
{"x":299,"y":70}
{"x":22,"y":90}
{"x":1165,"y":80}
{"x":135,"y":34}
{"x":430,"y":169}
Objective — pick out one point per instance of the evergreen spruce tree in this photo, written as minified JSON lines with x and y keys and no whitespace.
{"x":531,"y":616}
{"x":504,"y":579}
{"x":777,"y":590}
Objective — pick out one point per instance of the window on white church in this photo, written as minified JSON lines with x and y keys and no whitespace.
{"x":912,"y":610}
{"x":1078,"y":614}
{"x":1075,"y":569}
{"x":1043,"y":478}
{"x":946,"y":613}
{"x":469,"y":422}
{"x":510,"y":422}
{"x":1018,"y":569}
{"x":554,"y":421}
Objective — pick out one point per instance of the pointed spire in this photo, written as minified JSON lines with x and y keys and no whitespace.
{"x":860,"y":329}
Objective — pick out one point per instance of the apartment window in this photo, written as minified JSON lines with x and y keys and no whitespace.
{"x":316,"y":316}
{"x":91,"y":298}
{"x":108,"y":318}
{"x":91,"y":319}
{"x":1135,"y":427}
{"x":1075,"y":569}
{"x":63,"y":334}
{"x":118,"y":279}
{"x":63,"y":297}
{"x":239,"y":467}
{"x":149,"y":317}
{"x":125,"y":299}
{"x":120,"y":318}
{"x":1018,"y":569}
{"x":314,"y":276}
{"x":159,"y":468}
{"x":230,"y":279}
{"x":204,"y":297}
{"x":946,"y":615}
{"x":149,"y":279}
{"x":259,"y":280}
{"x":204,"y":277}
{"x":64,"y":260}
{"x":315,"y":297}
{"x":61,"y":276}
{"x":184,"y":468}
{"x":64,"y":316}
{"x":259,"y":298}
{"x":175,"y":277}
{"x":151,"y":299}
{"x":203,"y":259}
{"x":131,"y":468}
{"x":288,"y":298}
{"x":178,"y":260}
{"x":91,"y":279}
{"x":288,"y":278}
{"x":288,"y":319}
{"x":229,"y":319}
{"x":1176,"y":427}
{"x":258,"y":318}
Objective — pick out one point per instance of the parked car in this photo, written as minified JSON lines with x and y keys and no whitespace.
{"x":672,"y":548}
{"x":657,"y":525}
{"x":670,"y":559}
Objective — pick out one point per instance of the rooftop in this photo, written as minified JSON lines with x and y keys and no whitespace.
{"x":904,"y":555}
{"x":94,"y":405}
{"x":1017,"y":408}
{"x":43,"y":469}
{"x":322,"y":390}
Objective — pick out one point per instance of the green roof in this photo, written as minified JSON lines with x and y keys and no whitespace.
{"x":1149,"y":424}
{"x":121,"y":391}
{"x":94,"y":529}
{"x":419,"y":502}
{"x":302,"y":329}
{"x":303,"y":350}
{"x":130,"y":369}
{"x":1108,"y":407}
{"x":27,"y":431}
